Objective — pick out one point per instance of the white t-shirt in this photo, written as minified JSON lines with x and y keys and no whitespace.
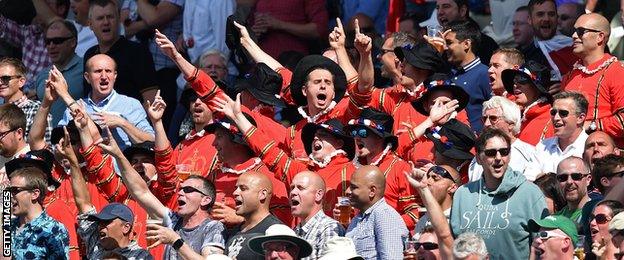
{"x":550,"y":153}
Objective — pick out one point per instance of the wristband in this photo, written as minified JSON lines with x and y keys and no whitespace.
{"x":177,"y":244}
{"x":72,"y":103}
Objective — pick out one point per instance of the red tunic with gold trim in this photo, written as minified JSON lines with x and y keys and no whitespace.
{"x":336,"y":173}
{"x":605,"y":92}
{"x":225,"y":177}
{"x":100,"y":170}
{"x":196,"y":150}
{"x":399,"y":193}
{"x":536,"y":124}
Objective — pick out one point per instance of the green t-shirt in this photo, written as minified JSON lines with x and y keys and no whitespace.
{"x":574,"y":215}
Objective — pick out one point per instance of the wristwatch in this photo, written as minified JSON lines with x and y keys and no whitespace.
{"x":177,"y":244}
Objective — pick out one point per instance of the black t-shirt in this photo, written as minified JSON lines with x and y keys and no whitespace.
{"x":237,"y":245}
{"x":135,"y":67}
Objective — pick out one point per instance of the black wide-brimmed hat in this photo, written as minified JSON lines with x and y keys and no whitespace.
{"x":41,"y":159}
{"x":307,"y":65}
{"x":264,"y":84}
{"x":146,"y":147}
{"x":538,"y":74}
{"x":453,"y":139}
{"x":441,"y":82}
{"x":335,"y":127}
{"x":377,"y":122}
{"x":227,"y":124}
{"x":422,"y":56}
{"x":74,"y":133}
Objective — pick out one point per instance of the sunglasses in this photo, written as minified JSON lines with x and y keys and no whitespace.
{"x":360,"y":132}
{"x":493,"y":152}
{"x":5,"y":133}
{"x":601,"y":218}
{"x":56,"y":40}
{"x":438,"y":170}
{"x":5,"y":79}
{"x":522,"y":79}
{"x":548,"y":234}
{"x":493,"y":119}
{"x":582,"y":30}
{"x":562,"y":113}
{"x":426,"y":246}
{"x":575,"y":177}
{"x":189,"y":189}
{"x":15,"y":190}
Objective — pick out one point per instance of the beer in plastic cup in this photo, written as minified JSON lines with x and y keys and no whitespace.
{"x":344,"y":205}
{"x":409,"y":245}
{"x":184,"y":171}
{"x":150,"y":242}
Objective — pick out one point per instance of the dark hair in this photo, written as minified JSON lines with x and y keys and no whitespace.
{"x":67,"y":24}
{"x":579,"y":100}
{"x":63,"y":3}
{"x":103,"y":3}
{"x":549,"y":185}
{"x":533,"y":3}
{"x":615,"y":206}
{"x":209,"y":189}
{"x":604,"y":167}
{"x":416,"y":17}
{"x":487,"y":134}
{"x":466,"y":30}
{"x":34,"y":179}
{"x":522,"y":8}
{"x":13,"y":117}
{"x":17,"y":64}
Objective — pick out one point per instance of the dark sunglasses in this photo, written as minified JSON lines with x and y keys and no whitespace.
{"x":492,"y":152}
{"x":601,"y":218}
{"x":189,"y":189}
{"x":5,"y":79}
{"x":5,"y":133}
{"x":493,"y":119}
{"x":56,"y":40}
{"x":522,"y":79}
{"x":575,"y":176}
{"x":382,"y":52}
{"x":426,"y":246}
{"x":562,"y":113}
{"x":360,"y":132}
{"x":15,"y":190}
{"x":582,"y":30}
{"x":438,"y":170}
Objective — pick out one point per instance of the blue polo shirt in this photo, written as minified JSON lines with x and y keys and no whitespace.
{"x":474,"y":79}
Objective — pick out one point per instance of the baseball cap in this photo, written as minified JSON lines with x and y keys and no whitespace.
{"x":617,"y":222}
{"x":112,"y":211}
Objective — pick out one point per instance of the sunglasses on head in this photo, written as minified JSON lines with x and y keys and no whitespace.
{"x":493,"y":152}
{"x":438,"y":170}
{"x":56,"y":40}
{"x":189,"y":189}
{"x":582,"y":30}
{"x":562,"y":112}
{"x":575,"y":176}
{"x":601,"y":218}
{"x":360,"y":132}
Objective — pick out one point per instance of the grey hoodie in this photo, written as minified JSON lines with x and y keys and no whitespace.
{"x":500,"y":216}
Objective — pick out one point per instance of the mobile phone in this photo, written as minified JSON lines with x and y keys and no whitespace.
{"x":104,"y":134}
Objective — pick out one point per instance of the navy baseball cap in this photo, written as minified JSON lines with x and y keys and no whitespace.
{"x":112,"y":211}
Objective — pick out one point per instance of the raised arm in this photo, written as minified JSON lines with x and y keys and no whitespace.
{"x":418,"y":179}
{"x":82,"y":197}
{"x":159,"y":15}
{"x":364,"y":45}
{"x":155,"y":112}
{"x":44,"y":11}
{"x":136,"y":185}
{"x":169,"y":49}
{"x":257,"y":54}
{"x":36,"y":137}
{"x":337,"y":40}
{"x":62,"y":90}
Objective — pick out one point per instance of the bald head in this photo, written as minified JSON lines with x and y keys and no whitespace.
{"x":372,"y":175}
{"x":594,"y":21}
{"x":367,"y":187}
{"x":315,"y":180}
{"x":100,"y":59}
{"x":257,"y":181}
{"x":573,"y":162}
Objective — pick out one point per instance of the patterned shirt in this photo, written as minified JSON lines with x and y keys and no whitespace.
{"x":88,"y":232}
{"x":42,"y":238}
{"x":172,"y":30}
{"x":317,"y":231}
{"x":30,"y":108}
{"x":31,"y":39}
{"x":208,"y":233}
{"x":378,"y":233}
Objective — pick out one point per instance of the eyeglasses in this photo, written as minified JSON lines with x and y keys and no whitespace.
{"x":438,"y":170}
{"x":492,"y":152}
{"x":601,"y":218}
{"x":359,"y":132}
{"x":562,"y":112}
{"x":549,"y":234}
{"x":582,"y":30}
{"x":383,"y":52}
{"x":15,"y":190}
{"x":426,"y":246}
{"x":56,"y":40}
{"x":575,"y":176}
{"x":6,"y":78}
{"x":522,"y":79}
{"x":493,"y":119}
{"x":5,"y":133}
{"x":189,"y":189}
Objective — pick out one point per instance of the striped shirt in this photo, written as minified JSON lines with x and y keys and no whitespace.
{"x":378,"y":233}
{"x":317,"y":231}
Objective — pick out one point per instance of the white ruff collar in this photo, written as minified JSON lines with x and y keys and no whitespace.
{"x":537,"y":102}
{"x":257,"y":161}
{"x":582,"y":68}
{"x":192,"y":135}
{"x":327,"y":159}
{"x":383,"y":154}
{"x":313,"y":119}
